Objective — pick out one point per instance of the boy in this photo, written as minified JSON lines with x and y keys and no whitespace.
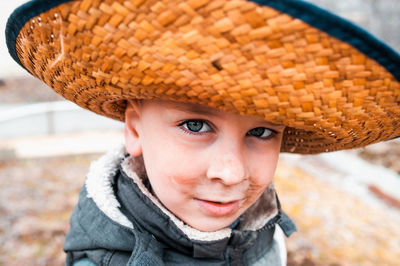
{"x":210,"y":92}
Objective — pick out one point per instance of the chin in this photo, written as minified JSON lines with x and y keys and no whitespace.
{"x":212,"y":225}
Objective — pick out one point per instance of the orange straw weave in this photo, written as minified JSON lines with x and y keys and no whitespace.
{"x":232,"y":55}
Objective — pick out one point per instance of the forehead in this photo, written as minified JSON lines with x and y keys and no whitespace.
{"x":189,"y":107}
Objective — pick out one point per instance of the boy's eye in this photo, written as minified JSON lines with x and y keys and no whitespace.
{"x":196,"y":126}
{"x":260,"y":132}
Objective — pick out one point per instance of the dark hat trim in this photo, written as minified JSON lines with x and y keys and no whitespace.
{"x":322,"y":19}
{"x":20,"y":16}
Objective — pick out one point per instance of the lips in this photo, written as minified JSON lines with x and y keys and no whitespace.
{"x":217,"y":208}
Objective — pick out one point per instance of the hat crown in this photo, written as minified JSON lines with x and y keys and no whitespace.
{"x":284,"y":61}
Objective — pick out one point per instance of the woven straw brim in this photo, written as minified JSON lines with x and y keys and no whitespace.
{"x":232,"y":55}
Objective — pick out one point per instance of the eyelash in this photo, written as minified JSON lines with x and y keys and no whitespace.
{"x":271,"y":135}
{"x":191,"y":132}
{"x":188,"y":131}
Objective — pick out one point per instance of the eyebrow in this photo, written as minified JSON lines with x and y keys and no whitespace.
{"x":194,"y":108}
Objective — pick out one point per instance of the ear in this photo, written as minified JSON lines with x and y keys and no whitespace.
{"x":131,"y":133}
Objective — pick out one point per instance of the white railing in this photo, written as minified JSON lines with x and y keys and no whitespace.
{"x":50,"y":118}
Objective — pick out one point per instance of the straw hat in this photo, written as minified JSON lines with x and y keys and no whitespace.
{"x":331,"y":83}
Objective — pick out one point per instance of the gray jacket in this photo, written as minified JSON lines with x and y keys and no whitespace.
{"x":108,"y":229}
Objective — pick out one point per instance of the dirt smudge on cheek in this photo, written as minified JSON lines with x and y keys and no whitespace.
{"x":182,"y":180}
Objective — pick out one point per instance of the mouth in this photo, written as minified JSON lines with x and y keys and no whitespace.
{"x":219,"y":208}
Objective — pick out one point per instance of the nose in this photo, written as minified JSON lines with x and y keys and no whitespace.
{"x":228,"y":167}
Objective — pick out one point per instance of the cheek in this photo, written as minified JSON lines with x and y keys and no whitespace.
{"x":189,"y":169}
{"x":170,"y":164}
{"x":263,"y":170}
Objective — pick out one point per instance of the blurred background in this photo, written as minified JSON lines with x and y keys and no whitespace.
{"x":346,"y":204}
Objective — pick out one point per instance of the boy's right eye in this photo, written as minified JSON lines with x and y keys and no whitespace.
{"x":197,"y":126}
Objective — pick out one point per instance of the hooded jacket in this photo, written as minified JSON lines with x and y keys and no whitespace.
{"x":118,"y":221}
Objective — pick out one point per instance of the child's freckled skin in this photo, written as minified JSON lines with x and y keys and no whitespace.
{"x":206,"y":178}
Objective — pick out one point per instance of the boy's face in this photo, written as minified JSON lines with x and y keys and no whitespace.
{"x":206,"y":166}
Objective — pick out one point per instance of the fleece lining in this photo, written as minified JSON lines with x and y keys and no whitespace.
{"x":99,"y":185}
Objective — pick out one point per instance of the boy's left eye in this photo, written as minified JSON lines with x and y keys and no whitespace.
{"x":260,"y":132}
{"x":197,"y":126}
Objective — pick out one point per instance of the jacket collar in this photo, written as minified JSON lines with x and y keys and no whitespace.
{"x":114,"y":172}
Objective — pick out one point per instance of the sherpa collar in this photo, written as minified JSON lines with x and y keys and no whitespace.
{"x":113,"y":169}
{"x":100,"y":181}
